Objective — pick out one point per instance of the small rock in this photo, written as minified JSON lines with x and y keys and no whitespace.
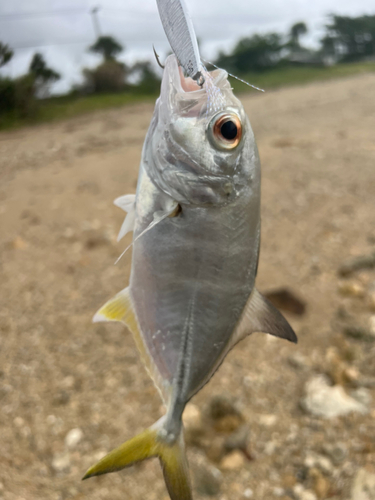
{"x":337,"y":452}
{"x":51,"y":419}
{"x":19,"y":422}
{"x":372,"y":325}
{"x":320,"y":462}
{"x":357,"y":263}
{"x":351,"y":374}
{"x":371,"y":301}
{"x":325,"y":401}
{"x":336,"y":366}
{"x":308,"y":495}
{"x":220,"y":407}
{"x":73,"y":437}
{"x":233,"y":461}
{"x":192,"y":417}
{"x":267,"y":420}
{"x":321,"y":486}
{"x":270,"y":448}
{"x":362,"y":395}
{"x":69,"y":233}
{"x":98,"y":455}
{"x":289,"y":481}
{"x":228,"y":424}
{"x":353,"y":326}
{"x":61,"y":462}
{"x":193,"y":424}
{"x":19,"y":244}
{"x":248,"y":493}
{"x":302,"y":494}
{"x":206,"y":481}
{"x":215,"y":448}
{"x":367,"y":382}
{"x":358,"y":332}
{"x":238,"y":440}
{"x":225,"y":417}
{"x":299,"y":361}
{"x":1,"y":487}
{"x":351,"y":289}
{"x":68,"y":382}
{"x":363,"y":487}
{"x":60,"y":398}
{"x":278,"y":492}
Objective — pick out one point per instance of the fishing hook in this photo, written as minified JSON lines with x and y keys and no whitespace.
{"x":157,"y":58}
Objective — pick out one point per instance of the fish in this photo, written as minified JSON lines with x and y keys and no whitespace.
{"x":195,"y":219}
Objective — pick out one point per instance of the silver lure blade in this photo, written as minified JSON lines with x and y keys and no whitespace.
{"x":180,"y":32}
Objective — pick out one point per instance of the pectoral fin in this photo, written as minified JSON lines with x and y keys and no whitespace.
{"x":260,"y":315}
{"x":126,"y":203}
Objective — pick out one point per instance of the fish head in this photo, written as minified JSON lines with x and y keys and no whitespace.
{"x":200,"y":148}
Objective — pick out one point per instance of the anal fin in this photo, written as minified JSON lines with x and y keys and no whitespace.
{"x":120,"y":308}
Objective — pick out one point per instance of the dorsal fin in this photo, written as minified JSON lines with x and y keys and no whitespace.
{"x":259,"y":315}
{"x":120,"y":308}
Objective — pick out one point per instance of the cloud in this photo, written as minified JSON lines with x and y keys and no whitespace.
{"x":63,"y":37}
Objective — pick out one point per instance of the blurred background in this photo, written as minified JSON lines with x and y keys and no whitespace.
{"x":78,"y":82}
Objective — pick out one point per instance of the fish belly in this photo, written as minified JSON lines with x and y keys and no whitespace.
{"x":199,"y":266}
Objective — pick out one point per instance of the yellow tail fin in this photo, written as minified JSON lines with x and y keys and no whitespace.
{"x":146,"y":445}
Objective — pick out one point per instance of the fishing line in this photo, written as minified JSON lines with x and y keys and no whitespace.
{"x":236,"y":77}
{"x":158,"y":217}
{"x":215,"y":98}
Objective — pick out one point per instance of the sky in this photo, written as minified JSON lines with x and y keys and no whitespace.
{"x":63,"y":29}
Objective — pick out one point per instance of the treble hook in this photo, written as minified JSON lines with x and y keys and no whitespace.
{"x":157,"y":58}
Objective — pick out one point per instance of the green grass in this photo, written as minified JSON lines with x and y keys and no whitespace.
{"x":58,"y":108}
{"x":298,"y":75}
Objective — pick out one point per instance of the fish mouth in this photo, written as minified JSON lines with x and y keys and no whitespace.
{"x":174,"y":74}
{"x":185,"y":84}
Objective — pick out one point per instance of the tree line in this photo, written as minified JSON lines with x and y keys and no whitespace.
{"x":346,"y":39}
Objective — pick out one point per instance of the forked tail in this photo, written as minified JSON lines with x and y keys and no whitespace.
{"x":150,"y":444}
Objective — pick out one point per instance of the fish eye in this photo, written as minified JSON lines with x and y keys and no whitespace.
{"x":225,"y":130}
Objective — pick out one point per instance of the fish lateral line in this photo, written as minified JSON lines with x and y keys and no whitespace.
{"x":173,"y":424}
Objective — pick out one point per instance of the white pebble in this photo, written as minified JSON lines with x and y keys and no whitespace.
{"x":61,"y":462}
{"x":73,"y":437}
{"x":248,"y":493}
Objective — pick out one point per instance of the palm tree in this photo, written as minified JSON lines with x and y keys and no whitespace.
{"x":107,"y":46}
{"x":296,"y":31}
{"x":6,"y":54}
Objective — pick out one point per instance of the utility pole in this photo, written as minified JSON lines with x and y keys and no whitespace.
{"x":95,"y":21}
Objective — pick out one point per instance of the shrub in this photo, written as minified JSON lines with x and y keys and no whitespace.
{"x":107,"y":77}
{"x":7,"y":95}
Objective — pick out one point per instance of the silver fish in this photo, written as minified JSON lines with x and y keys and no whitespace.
{"x":196,"y":223}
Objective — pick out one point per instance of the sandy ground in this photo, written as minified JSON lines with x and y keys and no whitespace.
{"x":59,"y":372}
